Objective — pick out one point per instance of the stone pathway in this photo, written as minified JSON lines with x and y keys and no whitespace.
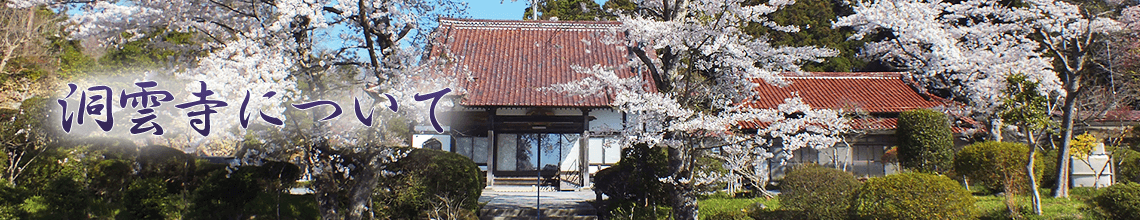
{"x":519,"y":202}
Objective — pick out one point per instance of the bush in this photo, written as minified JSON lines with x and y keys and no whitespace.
{"x":423,"y":179}
{"x":1046,"y":168}
{"x":925,"y":141}
{"x":634,"y":179}
{"x":1127,"y":164}
{"x":913,"y":196}
{"x":819,"y":192}
{"x":144,"y":199}
{"x":1120,"y":201}
{"x":729,"y":215}
{"x":224,"y":195}
{"x":999,"y":166}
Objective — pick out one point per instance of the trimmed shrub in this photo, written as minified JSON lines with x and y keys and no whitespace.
{"x":729,"y":215}
{"x":925,"y":141}
{"x":819,"y":192}
{"x":999,"y":166}
{"x":1120,"y":201}
{"x":423,"y":179}
{"x":913,"y":196}
{"x":1128,"y":164}
{"x":632,"y":184}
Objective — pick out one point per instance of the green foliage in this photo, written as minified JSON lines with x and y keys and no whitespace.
{"x":423,"y":179}
{"x":1024,"y":105}
{"x":737,"y":215}
{"x":750,"y":206}
{"x":568,"y":10}
{"x":10,"y":200}
{"x":1120,"y":201}
{"x":626,"y":7}
{"x":814,"y":18}
{"x":73,"y":63}
{"x":635,"y":179}
{"x":1046,"y":168}
{"x":224,"y":195}
{"x":64,"y":198}
{"x":999,"y":166}
{"x":156,"y":49}
{"x":144,"y":199}
{"x":631,"y":211}
{"x":819,"y":192}
{"x":1127,"y":164}
{"x":925,"y":141}
{"x":913,"y":196}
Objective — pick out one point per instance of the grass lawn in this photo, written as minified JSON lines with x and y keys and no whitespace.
{"x":993,"y":207}
{"x":717,"y":205}
{"x":989,"y":207}
{"x":1074,"y":207}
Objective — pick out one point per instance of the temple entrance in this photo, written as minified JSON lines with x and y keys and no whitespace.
{"x":528,"y":154}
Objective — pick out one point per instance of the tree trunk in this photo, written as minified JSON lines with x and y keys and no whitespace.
{"x":995,"y":129}
{"x":684,"y":201}
{"x":1062,"y":188}
{"x":360,"y":195}
{"x":1031,"y":173}
{"x":327,"y":197}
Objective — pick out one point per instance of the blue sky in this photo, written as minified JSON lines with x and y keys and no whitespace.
{"x":507,"y":10}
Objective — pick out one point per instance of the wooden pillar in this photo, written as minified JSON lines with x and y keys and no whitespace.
{"x":584,"y":149}
{"x":491,"y":146}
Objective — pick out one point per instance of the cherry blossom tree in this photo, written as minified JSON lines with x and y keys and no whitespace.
{"x":967,"y":48}
{"x":970,"y":47}
{"x":703,"y":67}
{"x":270,"y":54}
{"x":1069,"y":32}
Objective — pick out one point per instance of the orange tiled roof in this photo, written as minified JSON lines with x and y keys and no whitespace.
{"x":872,"y":92}
{"x":509,"y":61}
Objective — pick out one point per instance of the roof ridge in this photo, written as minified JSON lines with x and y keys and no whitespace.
{"x":491,"y":24}
{"x":842,"y":75}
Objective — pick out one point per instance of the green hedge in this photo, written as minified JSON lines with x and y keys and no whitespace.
{"x":999,"y":166}
{"x":1120,"y":201}
{"x":818,"y":192}
{"x":913,"y":196}
{"x":421,"y":178}
{"x":925,"y":141}
{"x":1128,"y":164}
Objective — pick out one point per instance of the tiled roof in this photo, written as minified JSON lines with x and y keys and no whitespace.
{"x":862,"y":124}
{"x":509,"y":61}
{"x":871,"y":92}
{"x":1121,"y":114}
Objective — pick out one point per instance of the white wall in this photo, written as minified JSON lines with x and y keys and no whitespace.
{"x":419,"y":139}
{"x":600,"y":152}
{"x":511,"y":111}
{"x":606,"y":120}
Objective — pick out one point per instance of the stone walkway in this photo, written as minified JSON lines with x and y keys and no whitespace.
{"x":520,"y":202}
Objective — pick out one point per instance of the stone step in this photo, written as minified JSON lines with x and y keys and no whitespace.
{"x":554,"y":212}
{"x":520,"y":181}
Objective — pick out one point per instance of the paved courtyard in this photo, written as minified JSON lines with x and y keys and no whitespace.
{"x":520,"y":202}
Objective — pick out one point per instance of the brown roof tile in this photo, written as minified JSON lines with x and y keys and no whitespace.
{"x":872,"y":92}
{"x":510,"y":60}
